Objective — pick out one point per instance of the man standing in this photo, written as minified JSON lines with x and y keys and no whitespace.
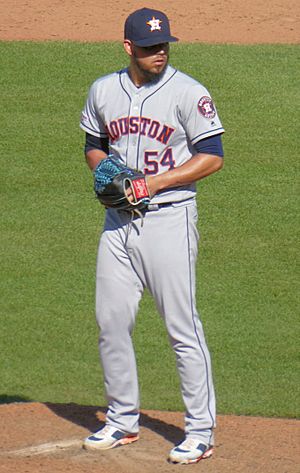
{"x":154,"y":118}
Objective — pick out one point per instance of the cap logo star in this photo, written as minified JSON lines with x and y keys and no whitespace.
{"x":154,"y":23}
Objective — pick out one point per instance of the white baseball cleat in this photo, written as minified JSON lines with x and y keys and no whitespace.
{"x":108,"y":437}
{"x":190,"y":451}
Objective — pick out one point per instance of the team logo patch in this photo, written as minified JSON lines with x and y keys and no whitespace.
{"x":206,"y":107}
{"x":154,"y":24}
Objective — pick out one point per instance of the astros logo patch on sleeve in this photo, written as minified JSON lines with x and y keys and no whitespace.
{"x":206,"y":107}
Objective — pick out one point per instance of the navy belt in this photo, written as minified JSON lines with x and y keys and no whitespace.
{"x":167,"y":204}
{"x":152,"y":207}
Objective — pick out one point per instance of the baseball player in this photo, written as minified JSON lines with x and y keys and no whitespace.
{"x":156,"y":119}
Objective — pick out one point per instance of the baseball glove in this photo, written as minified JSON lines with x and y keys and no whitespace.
{"x":112,"y":179}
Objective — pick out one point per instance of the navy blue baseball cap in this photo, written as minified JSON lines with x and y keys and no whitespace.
{"x":147,"y":27}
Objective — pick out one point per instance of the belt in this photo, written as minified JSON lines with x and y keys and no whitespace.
{"x":149,"y":208}
{"x":152,"y":207}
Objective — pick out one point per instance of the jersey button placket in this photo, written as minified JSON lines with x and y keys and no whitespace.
{"x":135,"y":112}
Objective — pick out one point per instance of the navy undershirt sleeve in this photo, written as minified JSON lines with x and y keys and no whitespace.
{"x":94,"y":142}
{"x":211,"y":145}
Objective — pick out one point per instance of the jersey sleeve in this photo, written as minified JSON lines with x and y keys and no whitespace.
{"x":199,"y":115}
{"x":91,"y":121}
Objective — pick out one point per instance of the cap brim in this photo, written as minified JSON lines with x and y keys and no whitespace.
{"x":155,"y":40}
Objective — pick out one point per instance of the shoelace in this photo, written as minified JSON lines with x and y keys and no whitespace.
{"x":189,"y":444}
{"x":107,"y":430}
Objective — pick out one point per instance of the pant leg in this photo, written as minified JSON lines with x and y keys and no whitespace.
{"x":170,"y":242}
{"x":118,"y":291}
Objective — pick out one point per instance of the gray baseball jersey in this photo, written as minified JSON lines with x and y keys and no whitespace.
{"x":154,"y":129}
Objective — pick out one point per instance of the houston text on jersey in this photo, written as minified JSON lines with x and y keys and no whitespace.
{"x":142,"y":125}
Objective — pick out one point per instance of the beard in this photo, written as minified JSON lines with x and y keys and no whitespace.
{"x":149,"y":76}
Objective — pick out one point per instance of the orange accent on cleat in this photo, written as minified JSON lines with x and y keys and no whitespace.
{"x":128,"y":439}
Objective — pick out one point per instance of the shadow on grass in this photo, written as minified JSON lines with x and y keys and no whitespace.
{"x":86,"y":416}
{"x":10,"y":398}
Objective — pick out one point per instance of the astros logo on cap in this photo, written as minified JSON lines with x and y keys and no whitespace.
{"x":154,"y":23}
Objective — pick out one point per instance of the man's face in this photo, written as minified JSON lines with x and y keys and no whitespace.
{"x":150,"y":62}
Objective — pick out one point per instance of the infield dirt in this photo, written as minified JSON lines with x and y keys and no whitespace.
{"x":46,"y":438}
{"x":213,"y":21}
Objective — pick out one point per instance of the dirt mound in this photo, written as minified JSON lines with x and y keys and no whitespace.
{"x":47,"y":438}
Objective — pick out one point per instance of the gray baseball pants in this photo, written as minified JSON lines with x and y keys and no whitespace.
{"x":160,"y":255}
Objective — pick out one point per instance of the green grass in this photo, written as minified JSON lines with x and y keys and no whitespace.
{"x":50,"y":222}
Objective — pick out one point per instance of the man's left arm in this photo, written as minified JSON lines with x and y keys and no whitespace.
{"x":208,"y":160}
